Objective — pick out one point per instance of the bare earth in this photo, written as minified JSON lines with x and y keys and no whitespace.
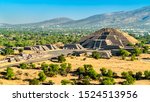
{"x":115,"y":63}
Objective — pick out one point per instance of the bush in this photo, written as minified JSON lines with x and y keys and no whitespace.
{"x":65,"y":69}
{"x":51,"y":82}
{"x":32,"y":66}
{"x":110,"y":73}
{"x":65,"y":82}
{"x":7,"y":51}
{"x":96,"y":55}
{"x":42,"y":76}
{"x":23,"y":66}
{"x":9,"y":73}
{"x":61,"y":59}
{"x":147,"y":74}
{"x":108,"y":81}
{"x":136,"y":52}
{"x":125,"y":74}
{"x":34,"y":82}
{"x":129,"y":80}
{"x":133,"y":57}
{"x":138,"y":75}
{"x":103,"y":71}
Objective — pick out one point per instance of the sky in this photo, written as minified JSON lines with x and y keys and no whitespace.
{"x":29,"y":11}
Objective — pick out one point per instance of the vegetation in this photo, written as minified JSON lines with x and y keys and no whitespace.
{"x":96,"y":55}
{"x":9,"y":73}
{"x":129,"y":80}
{"x":147,"y":74}
{"x":34,"y":82}
{"x":108,"y":81}
{"x":61,"y":58}
{"x":7,"y":51}
{"x":65,"y":82}
{"x":23,"y":66}
{"x":42,"y":76}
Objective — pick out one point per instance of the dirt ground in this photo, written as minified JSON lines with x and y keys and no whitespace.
{"x":115,"y":63}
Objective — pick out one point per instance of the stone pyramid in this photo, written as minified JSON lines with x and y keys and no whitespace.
{"x":107,"y":39}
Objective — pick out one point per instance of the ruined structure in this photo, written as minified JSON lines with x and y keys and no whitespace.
{"x":73,"y":46}
{"x":107,"y":39}
{"x":41,"y":47}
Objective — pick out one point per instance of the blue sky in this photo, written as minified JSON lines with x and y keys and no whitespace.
{"x":27,"y":11}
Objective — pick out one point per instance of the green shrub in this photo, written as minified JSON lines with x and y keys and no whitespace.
{"x":61,"y":59}
{"x":42,"y":76}
{"x":108,"y":81}
{"x":96,"y":55}
{"x":34,"y":82}
{"x":9,"y":73}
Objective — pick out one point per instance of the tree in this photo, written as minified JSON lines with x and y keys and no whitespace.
{"x":44,"y":67}
{"x":136,"y":51}
{"x":42,"y":76}
{"x":124,"y":74}
{"x":147,"y":74}
{"x":65,"y":82}
{"x":9,"y":73}
{"x":138,"y":75}
{"x":51,"y":82}
{"x":145,"y":49}
{"x":32,"y":66}
{"x":61,"y":59}
{"x":34,"y":82}
{"x":110,"y":73}
{"x":96,"y":55}
{"x":7,"y":51}
{"x":103,"y":71}
{"x":23,"y":66}
{"x":108,"y":81}
{"x":133,"y":57}
{"x":129,"y":80}
{"x":124,"y":53}
{"x":20,"y":50}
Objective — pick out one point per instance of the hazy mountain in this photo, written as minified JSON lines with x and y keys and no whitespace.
{"x":139,"y":18}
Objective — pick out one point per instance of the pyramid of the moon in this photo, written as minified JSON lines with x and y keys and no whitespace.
{"x":107,"y":39}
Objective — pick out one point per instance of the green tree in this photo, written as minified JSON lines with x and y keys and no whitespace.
{"x":61,"y":59}
{"x":9,"y":73}
{"x":42,"y":76}
{"x":7,"y":51}
{"x":96,"y":55}
{"x":138,"y":75}
{"x":65,"y":82}
{"x":147,"y":74}
{"x":51,"y":82}
{"x":136,"y":51}
{"x":124,"y":53}
{"x":20,"y":50}
{"x":103,"y":71}
{"x":34,"y":82}
{"x":23,"y":66}
{"x":108,"y":81}
{"x":129,"y":80}
{"x":133,"y":57}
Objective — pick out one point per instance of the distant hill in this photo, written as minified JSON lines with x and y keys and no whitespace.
{"x":139,"y":18}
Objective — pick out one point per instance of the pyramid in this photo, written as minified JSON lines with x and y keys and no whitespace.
{"x":107,"y":39}
{"x":73,"y":46}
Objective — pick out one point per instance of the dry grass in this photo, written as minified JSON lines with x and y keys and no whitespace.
{"x":115,"y":63}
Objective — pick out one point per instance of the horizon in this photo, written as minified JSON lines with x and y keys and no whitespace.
{"x":32,"y":11}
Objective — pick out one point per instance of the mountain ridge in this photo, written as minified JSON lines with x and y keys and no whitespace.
{"x":138,"y":19}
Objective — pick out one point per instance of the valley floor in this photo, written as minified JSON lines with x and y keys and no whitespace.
{"x":115,"y":64}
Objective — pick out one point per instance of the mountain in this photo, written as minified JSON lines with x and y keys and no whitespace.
{"x":47,"y":23}
{"x":137,"y":19}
